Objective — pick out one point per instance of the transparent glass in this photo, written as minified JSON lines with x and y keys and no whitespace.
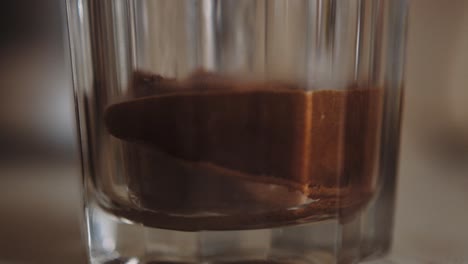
{"x":238,"y":131}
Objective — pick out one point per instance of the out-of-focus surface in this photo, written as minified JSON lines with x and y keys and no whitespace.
{"x":432,"y":199}
{"x":39,"y":168}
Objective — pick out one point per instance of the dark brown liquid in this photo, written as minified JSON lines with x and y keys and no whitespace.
{"x":212,"y":153}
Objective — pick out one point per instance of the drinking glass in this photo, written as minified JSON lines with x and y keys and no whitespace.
{"x":238,"y":131}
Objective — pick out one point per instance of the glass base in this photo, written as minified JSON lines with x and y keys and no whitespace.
{"x":117,"y":240}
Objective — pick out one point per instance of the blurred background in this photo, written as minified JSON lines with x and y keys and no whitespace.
{"x":40,"y":210}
